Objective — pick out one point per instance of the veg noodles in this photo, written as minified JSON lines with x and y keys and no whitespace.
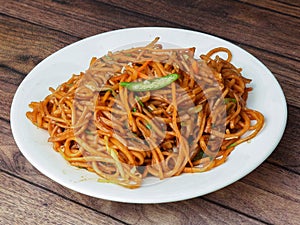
{"x":149,"y":111}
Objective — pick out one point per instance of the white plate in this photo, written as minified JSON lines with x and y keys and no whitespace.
{"x":267,"y":97}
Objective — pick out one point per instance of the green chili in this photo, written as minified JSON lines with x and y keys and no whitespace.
{"x":148,"y":125}
{"x":231,"y":145}
{"x":227,"y":100}
{"x":198,"y":156}
{"x":139,"y":101}
{"x":150,"y":85}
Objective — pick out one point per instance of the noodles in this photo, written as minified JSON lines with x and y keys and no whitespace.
{"x":149,"y":111}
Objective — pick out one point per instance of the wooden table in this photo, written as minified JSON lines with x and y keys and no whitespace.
{"x":270,"y":30}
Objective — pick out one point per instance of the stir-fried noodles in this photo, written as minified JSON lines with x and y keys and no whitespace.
{"x":149,"y":111}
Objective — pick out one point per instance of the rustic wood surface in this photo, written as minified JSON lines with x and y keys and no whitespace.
{"x":32,"y":30}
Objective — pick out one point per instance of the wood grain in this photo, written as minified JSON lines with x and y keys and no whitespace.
{"x":287,"y":153}
{"x":229,"y":16}
{"x":23,"y":203}
{"x":288,"y":8}
{"x":260,"y":203}
{"x":28,"y":44}
{"x":267,"y":175}
{"x":32,"y":30}
{"x":92,"y":17}
{"x":285,"y":71}
{"x":9,"y":82}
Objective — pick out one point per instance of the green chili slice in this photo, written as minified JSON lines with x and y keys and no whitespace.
{"x":148,"y":125}
{"x":139,"y":101}
{"x":231,"y":145}
{"x":227,"y":100}
{"x":150,"y":85}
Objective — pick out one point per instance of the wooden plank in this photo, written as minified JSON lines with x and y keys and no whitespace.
{"x":290,"y":9}
{"x":295,"y":3}
{"x":287,"y":154}
{"x":227,"y":18}
{"x":76,"y":18}
{"x":285,"y":71}
{"x":262,"y":204}
{"x":9,"y":82}
{"x":277,"y":181}
{"x":24,"y":203}
{"x":24,"y":45}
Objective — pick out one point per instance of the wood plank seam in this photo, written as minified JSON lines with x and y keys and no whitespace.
{"x":160,"y":19}
{"x":39,"y":25}
{"x":287,"y":3}
{"x":12,"y":70}
{"x":187,"y":27}
{"x":233,"y":209}
{"x":267,"y":9}
{"x":282,"y":167}
{"x":62,"y":196}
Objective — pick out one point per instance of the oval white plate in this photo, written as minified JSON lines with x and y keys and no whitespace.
{"x":267,"y":97}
